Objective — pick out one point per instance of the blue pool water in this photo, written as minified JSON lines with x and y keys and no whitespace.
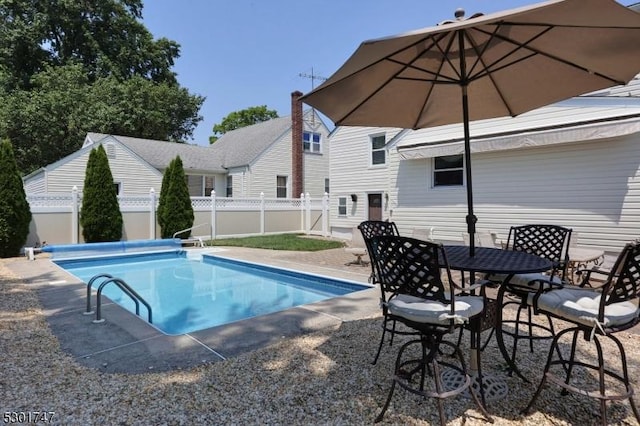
{"x":189,"y":295}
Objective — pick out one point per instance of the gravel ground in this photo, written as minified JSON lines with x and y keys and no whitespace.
{"x":320,"y":378}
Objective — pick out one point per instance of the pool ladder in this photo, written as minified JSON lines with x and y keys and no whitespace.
{"x":126,"y":289}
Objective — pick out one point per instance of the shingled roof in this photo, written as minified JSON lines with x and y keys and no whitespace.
{"x":236,"y":148}
{"x":160,"y":153}
{"x":242,"y":146}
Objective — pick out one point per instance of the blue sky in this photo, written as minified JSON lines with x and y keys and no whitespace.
{"x":243,"y":53}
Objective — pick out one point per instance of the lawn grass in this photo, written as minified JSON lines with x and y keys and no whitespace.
{"x":294,"y":242}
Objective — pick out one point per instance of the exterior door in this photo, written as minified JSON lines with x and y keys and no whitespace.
{"x":375,"y":206}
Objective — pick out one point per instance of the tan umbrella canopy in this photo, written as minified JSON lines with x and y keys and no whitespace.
{"x":486,"y":66}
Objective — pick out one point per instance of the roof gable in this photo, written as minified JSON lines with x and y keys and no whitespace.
{"x":60,"y":162}
{"x":243,"y":146}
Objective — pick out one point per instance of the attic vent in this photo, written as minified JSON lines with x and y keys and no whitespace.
{"x":111,"y":150}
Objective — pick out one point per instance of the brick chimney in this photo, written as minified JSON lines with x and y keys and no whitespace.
{"x":297,"y":172}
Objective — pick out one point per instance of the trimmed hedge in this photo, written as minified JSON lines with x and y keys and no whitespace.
{"x":175,"y":212}
{"x":15,"y":213}
{"x":100,"y":216}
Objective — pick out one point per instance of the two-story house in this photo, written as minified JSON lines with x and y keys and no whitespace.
{"x":281,"y":157}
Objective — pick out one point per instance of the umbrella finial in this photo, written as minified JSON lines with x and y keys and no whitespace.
{"x":459,"y":15}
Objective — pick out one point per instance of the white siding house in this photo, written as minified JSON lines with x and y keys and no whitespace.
{"x":259,"y":157}
{"x":133,"y":175}
{"x":575,"y":163}
{"x":353,"y":173}
{"x":316,"y":158}
{"x":136,"y":164}
{"x":245,"y":162}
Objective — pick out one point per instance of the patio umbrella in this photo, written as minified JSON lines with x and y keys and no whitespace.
{"x":486,"y":66}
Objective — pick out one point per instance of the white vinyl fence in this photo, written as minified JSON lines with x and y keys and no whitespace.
{"x":56,"y":217}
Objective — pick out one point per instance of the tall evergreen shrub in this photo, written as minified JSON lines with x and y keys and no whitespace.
{"x":15,"y":213}
{"x":177,"y":212}
{"x":100,"y":216}
{"x":164,"y":190}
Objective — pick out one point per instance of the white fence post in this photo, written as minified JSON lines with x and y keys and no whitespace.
{"x":302,"y":211}
{"x":325,"y":214}
{"x":152,"y":214}
{"x":213,"y":215}
{"x":74,"y":215}
{"x":308,"y":203}
{"x":262,"y":212}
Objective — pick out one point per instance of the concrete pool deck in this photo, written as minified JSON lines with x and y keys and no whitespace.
{"x":125,"y":343}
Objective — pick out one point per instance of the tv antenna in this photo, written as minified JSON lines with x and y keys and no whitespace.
{"x":313,"y":77}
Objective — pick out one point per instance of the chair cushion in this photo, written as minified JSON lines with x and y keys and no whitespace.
{"x":581,"y":306}
{"x":428,"y":311}
{"x":531,"y":280}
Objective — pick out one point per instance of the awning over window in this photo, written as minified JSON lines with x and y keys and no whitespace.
{"x":588,"y":131}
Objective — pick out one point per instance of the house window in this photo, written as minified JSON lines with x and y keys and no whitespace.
{"x":378,"y":152}
{"x":209,"y":185}
{"x":229,"y":186}
{"x":448,"y":170}
{"x":342,"y":206}
{"x":281,"y":186}
{"x":311,"y":142}
{"x":326,"y":185}
{"x":118,"y":187}
{"x":195,"y":185}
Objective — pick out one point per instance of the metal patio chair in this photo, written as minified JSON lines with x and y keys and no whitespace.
{"x":549,"y":242}
{"x":411,"y":271}
{"x":376,"y":228}
{"x":370,"y":229}
{"x":597,"y":314}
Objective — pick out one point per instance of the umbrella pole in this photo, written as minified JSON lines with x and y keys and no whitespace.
{"x":471,"y":218}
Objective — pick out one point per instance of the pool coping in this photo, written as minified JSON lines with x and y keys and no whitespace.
{"x":125,"y":343}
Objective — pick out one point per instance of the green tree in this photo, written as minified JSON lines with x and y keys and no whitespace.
{"x":50,"y":120}
{"x":177,"y":214}
{"x":100,"y":216}
{"x":15,"y":214}
{"x":242,"y":118}
{"x":164,"y":190}
{"x":69,"y":67}
{"x":45,"y":123}
{"x":144,"y":108}
{"x":106,"y":37}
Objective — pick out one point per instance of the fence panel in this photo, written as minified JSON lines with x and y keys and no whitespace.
{"x":56,"y":217}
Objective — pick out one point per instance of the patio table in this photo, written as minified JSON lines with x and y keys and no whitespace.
{"x":581,"y":257}
{"x":494,"y":260}
{"x":497,"y":261}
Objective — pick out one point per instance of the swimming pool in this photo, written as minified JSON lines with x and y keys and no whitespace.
{"x":188,"y":295}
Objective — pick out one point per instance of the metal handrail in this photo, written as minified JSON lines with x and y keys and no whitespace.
{"x":189,"y":229}
{"x":128,"y":291}
{"x":89,"y":284}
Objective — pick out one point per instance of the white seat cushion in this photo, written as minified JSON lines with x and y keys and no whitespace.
{"x":531,"y":280}
{"x":581,"y":306}
{"x":434,"y":312}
